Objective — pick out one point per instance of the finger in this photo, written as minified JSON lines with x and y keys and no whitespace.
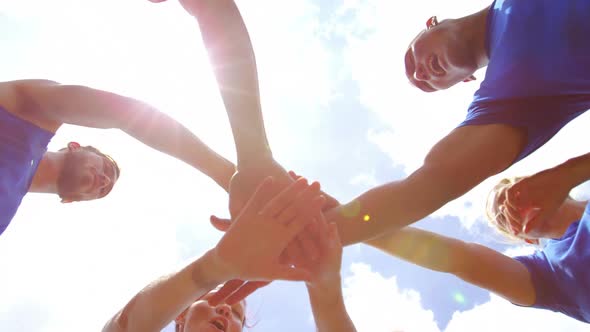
{"x":513,"y":196}
{"x":220,"y":223}
{"x":299,"y":204}
{"x":226,"y":290}
{"x":293,"y":175}
{"x":513,"y":216}
{"x":321,"y":225}
{"x":261,"y":196}
{"x":331,"y":203}
{"x":284,"y":198}
{"x":297,"y":225}
{"x":333,"y":235}
{"x":244,"y":291}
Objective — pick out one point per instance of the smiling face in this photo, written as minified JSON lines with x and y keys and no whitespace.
{"x":439,"y":57}
{"x":201,"y":317}
{"x":86,"y":174}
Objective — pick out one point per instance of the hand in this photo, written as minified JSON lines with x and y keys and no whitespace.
{"x":326,"y":269}
{"x":251,"y":247}
{"x":535,"y":199}
{"x":240,"y":188}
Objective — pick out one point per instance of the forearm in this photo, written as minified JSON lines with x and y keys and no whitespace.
{"x":232,"y":57}
{"x":329,"y":311}
{"x":162,"y":301}
{"x":575,"y":171}
{"x":392,"y":206}
{"x":161,"y":132}
{"x":429,"y":250}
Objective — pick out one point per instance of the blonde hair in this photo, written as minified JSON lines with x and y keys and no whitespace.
{"x":495,"y":217}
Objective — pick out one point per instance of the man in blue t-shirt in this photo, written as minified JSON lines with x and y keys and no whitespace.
{"x":31,"y":111}
{"x":538,"y":79}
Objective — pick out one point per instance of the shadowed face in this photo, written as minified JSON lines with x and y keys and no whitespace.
{"x":439,"y":58}
{"x":202,"y":317}
{"x":86,"y":174}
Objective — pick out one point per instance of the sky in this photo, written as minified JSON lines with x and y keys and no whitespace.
{"x":337,"y":109}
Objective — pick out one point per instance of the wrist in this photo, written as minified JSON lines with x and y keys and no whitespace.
{"x":209,"y":270}
{"x":326,"y":291}
{"x":255,"y":159}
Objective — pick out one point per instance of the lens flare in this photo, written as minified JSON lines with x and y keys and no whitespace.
{"x":459,"y":298}
{"x":366,"y":217}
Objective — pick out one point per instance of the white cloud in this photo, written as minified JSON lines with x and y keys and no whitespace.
{"x":376,"y":303}
{"x":500,"y":315}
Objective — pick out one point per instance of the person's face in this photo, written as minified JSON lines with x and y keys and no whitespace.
{"x":201,"y":317}
{"x":85,"y":175}
{"x":439,"y":58}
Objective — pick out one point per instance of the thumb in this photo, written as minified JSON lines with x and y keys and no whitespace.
{"x":333,"y":235}
{"x":220,"y":224}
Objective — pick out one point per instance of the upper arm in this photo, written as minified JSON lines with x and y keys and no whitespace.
{"x":80,"y":105}
{"x":470,"y":154}
{"x":498,"y":273}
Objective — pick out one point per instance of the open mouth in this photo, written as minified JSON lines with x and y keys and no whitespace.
{"x":434,"y":65}
{"x":219,"y":324}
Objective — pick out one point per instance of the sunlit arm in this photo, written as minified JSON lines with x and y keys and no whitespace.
{"x":163,"y":300}
{"x":84,"y":106}
{"x":232,"y":57}
{"x":327,"y":305}
{"x":576,"y":170}
{"x":460,"y":161}
{"x":474,"y":263}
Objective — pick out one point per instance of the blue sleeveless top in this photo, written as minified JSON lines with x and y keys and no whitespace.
{"x":538,"y":76}
{"x":22,"y":145}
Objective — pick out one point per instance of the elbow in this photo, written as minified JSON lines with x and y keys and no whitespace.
{"x":117,"y":323}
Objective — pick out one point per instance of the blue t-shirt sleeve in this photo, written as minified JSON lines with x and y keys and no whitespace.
{"x":543,"y":278}
{"x":540,"y":117}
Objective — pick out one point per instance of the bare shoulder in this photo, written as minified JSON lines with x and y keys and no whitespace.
{"x":19,"y":98}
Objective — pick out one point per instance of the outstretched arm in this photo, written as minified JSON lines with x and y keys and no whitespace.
{"x":80,"y":105}
{"x":325,"y":286}
{"x":474,"y":263}
{"x":536,"y":198}
{"x":164,"y":299}
{"x":460,"y":161}
{"x":232,"y":57}
{"x":250,"y":250}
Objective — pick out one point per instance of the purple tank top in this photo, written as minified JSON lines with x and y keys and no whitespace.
{"x":22,"y":145}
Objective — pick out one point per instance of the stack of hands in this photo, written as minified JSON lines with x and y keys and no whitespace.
{"x":279,"y":233}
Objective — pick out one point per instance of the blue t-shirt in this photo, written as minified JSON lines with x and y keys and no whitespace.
{"x":22,"y":145}
{"x":538,"y":76}
{"x":561,"y":271}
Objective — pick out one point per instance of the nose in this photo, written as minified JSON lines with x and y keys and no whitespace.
{"x":421,"y":74}
{"x":223,"y":309}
